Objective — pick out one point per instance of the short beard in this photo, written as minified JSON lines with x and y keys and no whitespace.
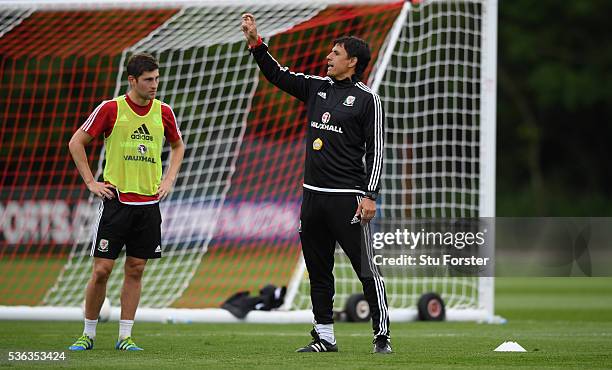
{"x":145,"y":97}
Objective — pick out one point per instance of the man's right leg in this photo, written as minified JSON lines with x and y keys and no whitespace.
{"x":106,"y":245}
{"x":318,"y":249}
{"x":96,"y":287}
{"x":94,"y":298}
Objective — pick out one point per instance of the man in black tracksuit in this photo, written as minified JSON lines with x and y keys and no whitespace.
{"x":345,"y":122}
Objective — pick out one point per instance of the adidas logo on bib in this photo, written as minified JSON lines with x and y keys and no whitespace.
{"x":142,"y":133}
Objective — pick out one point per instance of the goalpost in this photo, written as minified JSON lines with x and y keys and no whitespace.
{"x":231,"y":222}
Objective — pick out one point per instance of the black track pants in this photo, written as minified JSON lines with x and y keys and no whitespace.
{"x":325,"y":219}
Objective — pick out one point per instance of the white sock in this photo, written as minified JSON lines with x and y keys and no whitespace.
{"x":90,"y":328}
{"x":125,"y":328}
{"x":326,"y":332}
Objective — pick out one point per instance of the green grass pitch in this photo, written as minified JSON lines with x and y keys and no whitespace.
{"x":562,"y":322}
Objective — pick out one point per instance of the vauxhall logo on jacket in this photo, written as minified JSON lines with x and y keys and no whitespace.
{"x":324,"y":126}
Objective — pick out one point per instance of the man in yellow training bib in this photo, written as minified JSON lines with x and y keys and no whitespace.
{"x":134,"y":127}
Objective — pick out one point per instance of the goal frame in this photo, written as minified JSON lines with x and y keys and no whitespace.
{"x":487,"y":172}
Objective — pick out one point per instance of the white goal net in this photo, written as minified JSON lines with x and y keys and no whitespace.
{"x":231,"y":221}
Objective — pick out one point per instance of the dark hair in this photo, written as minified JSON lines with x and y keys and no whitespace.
{"x":140,"y":63}
{"x":356,"y":47}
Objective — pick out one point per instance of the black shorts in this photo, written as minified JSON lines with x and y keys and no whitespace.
{"x":138,"y":227}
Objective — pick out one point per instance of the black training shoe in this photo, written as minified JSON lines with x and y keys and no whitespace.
{"x":382,"y":344}
{"x":318,"y":345}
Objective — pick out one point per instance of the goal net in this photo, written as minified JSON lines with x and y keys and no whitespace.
{"x":231,"y":223}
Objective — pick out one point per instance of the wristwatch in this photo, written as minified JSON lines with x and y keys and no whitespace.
{"x":371,"y":195}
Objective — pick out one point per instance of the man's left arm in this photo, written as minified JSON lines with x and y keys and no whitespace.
{"x":374,"y":132}
{"x":177,"y":151}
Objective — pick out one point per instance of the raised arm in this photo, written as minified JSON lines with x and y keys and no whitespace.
{"x":296,"y":84}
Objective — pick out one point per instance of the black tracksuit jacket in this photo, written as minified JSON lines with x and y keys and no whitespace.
{"x":345,"y":121}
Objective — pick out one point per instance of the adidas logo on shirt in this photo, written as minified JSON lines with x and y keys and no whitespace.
{"x":142,"y":133}
{"x":322,"y":94}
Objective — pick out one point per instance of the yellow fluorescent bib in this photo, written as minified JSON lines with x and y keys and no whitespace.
{"x":133,"y":150}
